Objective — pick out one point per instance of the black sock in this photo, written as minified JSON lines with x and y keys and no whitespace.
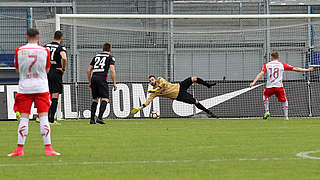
{"x":53,"y":109}
{"x":201,"y":81}
{"x":49,"y":114}
{"x":93,"y":110}
{"x":103,"y":106}
{"x":199,"y":106}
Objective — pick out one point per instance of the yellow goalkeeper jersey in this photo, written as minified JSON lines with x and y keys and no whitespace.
{"x":167,"y":89}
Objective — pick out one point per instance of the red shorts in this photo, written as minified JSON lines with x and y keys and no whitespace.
{"x":278,"y":91}
{"x":23,"y":102}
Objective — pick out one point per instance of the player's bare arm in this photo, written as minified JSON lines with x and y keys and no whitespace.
{"x":113,"y":76}
{"x":259,"y":76}
{"x":89,"y":75}
{"x":297,"y":69}
{"x":64,"y":61}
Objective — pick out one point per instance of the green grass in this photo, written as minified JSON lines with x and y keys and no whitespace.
{"x":185,"y":149}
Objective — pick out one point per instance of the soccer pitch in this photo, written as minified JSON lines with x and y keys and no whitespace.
{"x":167,"y":149}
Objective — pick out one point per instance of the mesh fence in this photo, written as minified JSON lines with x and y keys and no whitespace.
{"x":233,"y":49}
{"x":13,"y":23}
{"x":230,"y":51}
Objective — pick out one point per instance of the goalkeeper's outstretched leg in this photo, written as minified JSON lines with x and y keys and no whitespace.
{"x":200,"y":106}
{"x":202,"y":82}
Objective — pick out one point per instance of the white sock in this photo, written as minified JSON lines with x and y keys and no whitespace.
{"x":266,"y":104}
{"x":285,"y":109}
{"x":45,"y":130}
{"x":23,"y":130}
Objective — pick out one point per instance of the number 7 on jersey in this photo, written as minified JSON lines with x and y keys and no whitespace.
{"x":35,"y":58}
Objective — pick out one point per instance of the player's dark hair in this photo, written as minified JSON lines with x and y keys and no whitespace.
{"x":32,"y":33}
{"x":58,"y":35}
{"x":151,"y":76}
{"x":106,"y":47}
{"x":275,"y":55}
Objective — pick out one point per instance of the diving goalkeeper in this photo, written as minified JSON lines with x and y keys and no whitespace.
{"x":163,"y":88}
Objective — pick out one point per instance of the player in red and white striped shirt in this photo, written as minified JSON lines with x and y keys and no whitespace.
{"x":274,"y":70}
{"x":32,"y":62}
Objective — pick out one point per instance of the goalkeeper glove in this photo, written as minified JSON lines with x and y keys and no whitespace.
{"x":135,"y":110}
{"x":152,"y":90}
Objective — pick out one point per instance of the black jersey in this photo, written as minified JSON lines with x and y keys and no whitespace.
{"x":55,"y":50}
{"x":101,"y":64}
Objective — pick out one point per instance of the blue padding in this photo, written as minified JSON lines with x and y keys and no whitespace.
{"x":7,"y":59}
{"x":314,"y":58}
{"x":3,"y":80}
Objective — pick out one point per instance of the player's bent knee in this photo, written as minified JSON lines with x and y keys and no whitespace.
{"x":43,"y":114}
{"x":24,"y":115}
{"x":95,"y":100}
{"x":197,"y":102}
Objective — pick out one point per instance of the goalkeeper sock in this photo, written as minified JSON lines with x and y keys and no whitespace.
{"x":266,"y":103}
{"x":201,"y":81}
{"x":285,"y":109}
{"x":53,"y":109}
{"x":45,"y":130}
{"x":199,"y":106}
{"x":23,"y":131}
{"x":103,"y":106}
{"x":93,"y":110}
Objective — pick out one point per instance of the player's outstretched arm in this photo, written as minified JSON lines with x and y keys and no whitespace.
{"x":259,"y":76}
{"x":135,"y":110}
{"x":113,"y":76}
{"x":89,"y":75}
{"x":297,"y":69}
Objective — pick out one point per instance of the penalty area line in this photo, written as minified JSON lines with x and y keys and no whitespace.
{"x":60,"y":163}
{"x":306,"y":155}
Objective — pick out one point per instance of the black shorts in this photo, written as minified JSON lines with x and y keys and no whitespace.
{"x":99,"y":87}
{"x":55,"y":81}
{"x":183,"y":95}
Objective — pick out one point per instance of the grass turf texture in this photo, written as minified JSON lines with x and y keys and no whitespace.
{"x":166,"y":149}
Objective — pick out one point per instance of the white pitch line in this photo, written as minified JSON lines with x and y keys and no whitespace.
{"x":306,"y":154}
{"x":142,"y":162}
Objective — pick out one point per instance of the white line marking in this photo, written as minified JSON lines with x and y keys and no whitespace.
{"x":60,"y":163}
{"x":305,"y":154}
{"x":184,"y":109}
